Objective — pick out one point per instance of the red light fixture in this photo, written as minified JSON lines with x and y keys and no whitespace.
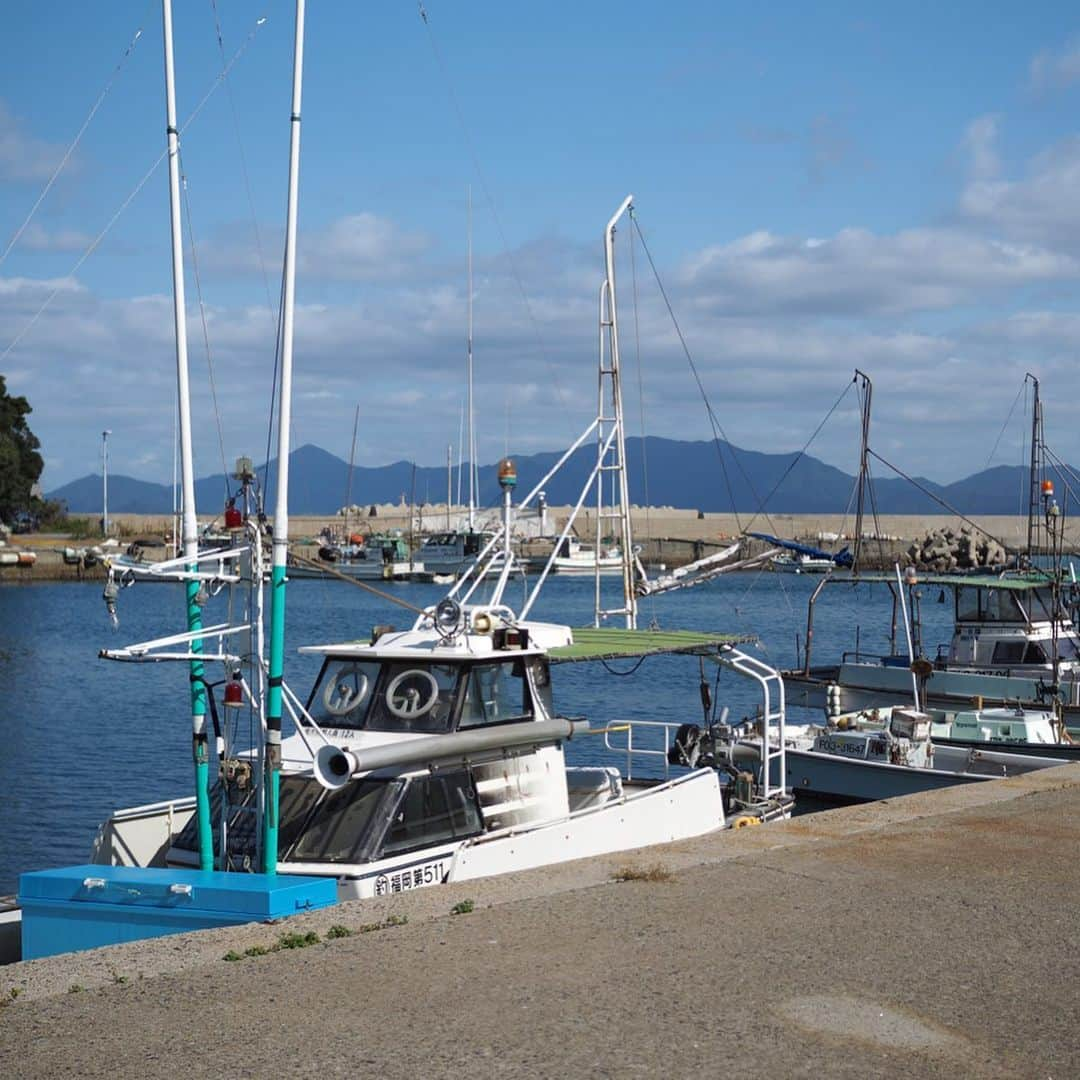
{"x":234,"y":692}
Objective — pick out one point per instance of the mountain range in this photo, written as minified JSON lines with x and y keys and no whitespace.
{"x":708,"y":476}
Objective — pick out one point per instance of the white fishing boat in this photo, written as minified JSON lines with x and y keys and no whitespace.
{"x":574,"y":557}
{"x":438,"y":754}
{"x":377,"y":557}
{"x":801,"y":563}
{"x":864,"y":760}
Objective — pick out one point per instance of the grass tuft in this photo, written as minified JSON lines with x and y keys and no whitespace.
{"x":655,"y":873}
{"x":463,"y":907}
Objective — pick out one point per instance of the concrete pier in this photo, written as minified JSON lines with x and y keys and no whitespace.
{"x":933,"y":935}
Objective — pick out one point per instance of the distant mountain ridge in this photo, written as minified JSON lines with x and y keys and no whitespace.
{"x":694,"y":475}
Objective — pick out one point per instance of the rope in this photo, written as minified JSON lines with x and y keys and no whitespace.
{"x":612,"y":671}
{"x":95,"y":243}
{"x":205,"y":330}
{"x":304,"y":561}
{"x":71,"y":148}
{"x":449,"y":88}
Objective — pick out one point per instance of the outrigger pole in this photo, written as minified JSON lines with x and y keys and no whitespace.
{"x":272,"y":756}
{"x":200,"y":747}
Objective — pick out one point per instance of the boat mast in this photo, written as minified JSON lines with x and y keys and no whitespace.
{"x":272,"y":757}
{"x":352,"y":462}
{"x":200,"y":747}
{"x":473,"y":476}
{"x":1034,"y":486}
{"x":864,"y":465}
{"x":610,"y":423}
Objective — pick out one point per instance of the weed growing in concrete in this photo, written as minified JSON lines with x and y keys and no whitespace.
{"x":116,"y":977}
{"x":338,"y":931}
{"x":75,"y":988}
{"x":231,"y":956}
{"x":644,"y":873}
{"x":396,"y":920}
{"x":463,"y":907}
{"x":298,"y":941}
{"x":257,"y":950}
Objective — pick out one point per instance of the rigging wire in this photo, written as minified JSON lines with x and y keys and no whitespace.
{"x":927,"y":492}
{"x":641,"y":410}
{"x":806,"y":446}
{"x":718,"y":431}
{"x":1012,"y":408}
{"x":470,"y":147}
{"x":273,"y":386}
{"x":243,"y":159}
{"x":202,"y":315}
{"x":95,"y":243}
{"x":72,"y":146}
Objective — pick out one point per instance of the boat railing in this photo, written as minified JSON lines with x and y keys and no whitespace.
{"x":624,"y":731}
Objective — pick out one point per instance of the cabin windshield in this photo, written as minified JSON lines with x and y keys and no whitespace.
{"x":419,"y":696}
{"x":987,"y":605}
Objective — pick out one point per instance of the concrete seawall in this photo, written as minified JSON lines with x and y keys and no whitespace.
{"x":933,"y":935}
{"x":668,"y":536}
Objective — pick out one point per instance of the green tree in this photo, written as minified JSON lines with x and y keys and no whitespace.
{"x":20,"y":462}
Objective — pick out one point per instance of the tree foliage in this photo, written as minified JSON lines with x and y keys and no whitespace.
{"x":20,"y":462}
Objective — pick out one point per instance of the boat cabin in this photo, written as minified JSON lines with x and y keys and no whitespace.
{"x":1007,"y":623}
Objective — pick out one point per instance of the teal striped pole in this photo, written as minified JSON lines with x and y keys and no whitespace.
{"x":272,"y":754}
{"x":199,"y":743}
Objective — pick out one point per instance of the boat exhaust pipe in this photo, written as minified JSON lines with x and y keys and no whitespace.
{"x":333,"y":767}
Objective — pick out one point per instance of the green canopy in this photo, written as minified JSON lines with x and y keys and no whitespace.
{"x":1016,"y":583}
{"x":591,"y":643}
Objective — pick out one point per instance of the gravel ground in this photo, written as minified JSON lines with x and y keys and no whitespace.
{"x":934,"y":935}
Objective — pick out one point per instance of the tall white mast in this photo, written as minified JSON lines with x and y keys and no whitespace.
{"x":610,"y":422}
{"x":189,"y":529}
{"x":281,"y":507}
{"x":473,"y":475}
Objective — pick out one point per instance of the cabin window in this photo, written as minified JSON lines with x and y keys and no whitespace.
{"x":339,"y":829}
{"x":415,"y":697}
{"x":1008,"y":652}
{"x":987,"y":605}
{"x":344,"y":698}
{"x":434,"y":810}
{"x":1035,"y":654}
{"x":496,"y":694}
{"x":967,"y":605}
{"x":1041,"y":605}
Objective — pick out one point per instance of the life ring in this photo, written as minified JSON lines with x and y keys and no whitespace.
{"x":745,"y":820}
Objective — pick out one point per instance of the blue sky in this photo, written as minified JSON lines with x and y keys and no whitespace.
{"x":821,"y":189}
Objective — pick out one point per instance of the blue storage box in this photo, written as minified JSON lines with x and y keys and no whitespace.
{"x":82,"y":907}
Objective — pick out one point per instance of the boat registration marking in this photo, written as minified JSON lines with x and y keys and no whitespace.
{"x":837,"y":746}
{"x":412,"y":877}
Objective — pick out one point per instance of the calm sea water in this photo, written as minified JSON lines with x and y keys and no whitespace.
{"x":82,"y":737}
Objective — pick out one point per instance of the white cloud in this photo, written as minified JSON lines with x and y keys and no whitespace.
{"x":37,"y":238}
{"x":1055,"y":69}
{"x":980,"y":143}
{"x":1042,"y":207}
{"x":356,"y":247}
{"x":23,"y":157}
{"x":858,"y":272}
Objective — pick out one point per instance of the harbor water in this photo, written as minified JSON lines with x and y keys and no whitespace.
{"x":83,"y":737}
